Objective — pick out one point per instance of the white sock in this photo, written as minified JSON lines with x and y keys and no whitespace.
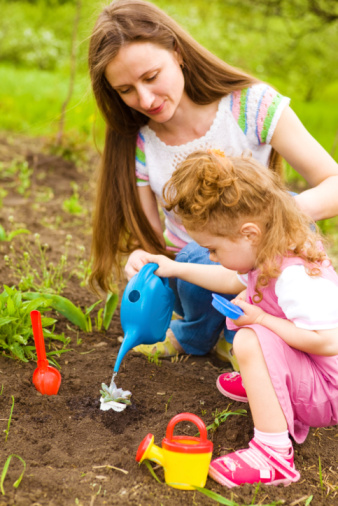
{"x":279,"y":441}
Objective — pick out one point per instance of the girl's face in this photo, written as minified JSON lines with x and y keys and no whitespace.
{"x":238,"y":255}
{"x":148,"y":78}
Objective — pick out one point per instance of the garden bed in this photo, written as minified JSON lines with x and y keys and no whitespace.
{"x":74,"y":452}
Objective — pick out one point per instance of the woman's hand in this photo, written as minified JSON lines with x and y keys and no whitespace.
{"x":136,"y":261}
{"x":253,"y":314}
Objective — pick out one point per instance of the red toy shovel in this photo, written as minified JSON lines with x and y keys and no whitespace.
{"x":46,"y":379}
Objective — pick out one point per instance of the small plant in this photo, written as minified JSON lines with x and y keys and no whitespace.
{"x":3,"y":194}
{"x":9,"y":420}
{"x":9,"y":236}
{"x":220,"y":417}
{"x":168,"y":402}
{"x":72,"y":205}
{"x":154,"y":358}
{"x":73,"y":313}
{"x":15,"y":325}
{"x":34,"y":271}
{"x":21,"y":174}
{"x":5,"y":469}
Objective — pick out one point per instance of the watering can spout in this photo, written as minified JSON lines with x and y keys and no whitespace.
{"x":149,"y":451}
{"x":130,"y":340}
{"x":146,"y":308}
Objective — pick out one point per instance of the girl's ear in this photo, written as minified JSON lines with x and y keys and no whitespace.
{"x":252,"y":232}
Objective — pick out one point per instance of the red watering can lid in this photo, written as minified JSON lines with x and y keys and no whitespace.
{"x":187,"y":444}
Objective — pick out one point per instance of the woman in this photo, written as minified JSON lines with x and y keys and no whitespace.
{"x":163,"y":96}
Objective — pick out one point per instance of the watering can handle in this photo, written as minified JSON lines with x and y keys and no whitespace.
{"x":150,"y":268}
{"x":187,"y":417}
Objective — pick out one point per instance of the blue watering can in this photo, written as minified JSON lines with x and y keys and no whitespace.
{"x":146,"y":309}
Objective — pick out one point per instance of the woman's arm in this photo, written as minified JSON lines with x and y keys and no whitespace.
{"x":149,"y":206}
{"x":308,"y":158}
{"x":215,"y":278}
{"x":318,"y":342}
{"x":148,"y":201}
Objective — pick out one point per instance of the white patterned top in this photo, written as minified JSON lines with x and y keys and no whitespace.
{"x":244,"y":123}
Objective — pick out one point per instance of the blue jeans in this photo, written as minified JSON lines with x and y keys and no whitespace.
{"x":199,"y":330}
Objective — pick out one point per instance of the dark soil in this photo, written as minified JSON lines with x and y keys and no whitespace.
{"x":74,"y":452}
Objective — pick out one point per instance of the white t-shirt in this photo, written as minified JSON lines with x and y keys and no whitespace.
{"x":244,"y":123}
{"x":310,"y":302}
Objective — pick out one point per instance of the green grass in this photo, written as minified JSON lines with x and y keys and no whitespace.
{"x":31,"y":101}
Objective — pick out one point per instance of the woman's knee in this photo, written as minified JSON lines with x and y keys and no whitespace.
{"x":245,"y":343}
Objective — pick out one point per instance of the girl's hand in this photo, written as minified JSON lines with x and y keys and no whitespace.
{"x":253,"y":314}
{"x":166,"y":267}
{"x":139,"y":258}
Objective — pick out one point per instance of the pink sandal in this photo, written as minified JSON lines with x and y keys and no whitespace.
{"x":230,"y":384}
{"x":258,"y":463}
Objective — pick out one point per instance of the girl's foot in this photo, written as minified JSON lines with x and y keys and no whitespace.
{"x":168,"y":348}
{"x":230,"y":384}
{"x":258,"y":463}
{"x":224,"y":352}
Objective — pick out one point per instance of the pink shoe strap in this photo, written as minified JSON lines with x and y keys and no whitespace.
{"x":276,"y":461}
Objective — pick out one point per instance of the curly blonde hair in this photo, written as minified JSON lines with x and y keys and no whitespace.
{"x":218,"y":193}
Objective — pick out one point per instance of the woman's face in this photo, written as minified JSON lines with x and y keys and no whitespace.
{"x":148,"y":78}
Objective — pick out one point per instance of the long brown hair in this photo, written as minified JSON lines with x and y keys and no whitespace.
{"x":209,"y":191}
{"x":119,"y":224}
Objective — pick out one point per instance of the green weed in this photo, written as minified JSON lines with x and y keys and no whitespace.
{"x":72,"y":205}
{"x":9,"y":420}
{"x":15,"y":326}
{"x":3,"y":194}
{"x":154,"y":358}
{"x":5,"y":469}
{"x":12,"y":232}
{"x":34,"y":271}
{"x":73,"y":313}
{"x":220,"y":417}
{"x":20,"y":173}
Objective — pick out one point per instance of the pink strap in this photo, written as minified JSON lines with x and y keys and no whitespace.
{"x":275,"y":460}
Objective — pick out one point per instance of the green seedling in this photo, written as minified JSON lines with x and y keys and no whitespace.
{"x":73,"y":313}
{"x":220,"y":417}
{"x":9,"y":236}
{"x":3,"y":194}
{"x":72,"y":205}
{"x":320,"y":473}
{"x":5,"y":469}
{"x":15,"y":326}
{"x":168,"y":402}
{"x":33,"y":270}
{"x":9,"y":420}
{"x":20,"y":173}
{"x":154,"y":358}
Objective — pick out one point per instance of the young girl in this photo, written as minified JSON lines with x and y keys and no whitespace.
{"x":163,"y":96}
{"x":287,"y":340}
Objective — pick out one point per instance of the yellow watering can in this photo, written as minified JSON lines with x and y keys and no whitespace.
{"x":185,"y":459}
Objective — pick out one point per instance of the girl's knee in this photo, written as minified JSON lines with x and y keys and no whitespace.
{"x":245,"y":343}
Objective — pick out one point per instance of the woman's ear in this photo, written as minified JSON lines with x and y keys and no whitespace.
{"x":252,"y":232}
{"x":178,"y":55}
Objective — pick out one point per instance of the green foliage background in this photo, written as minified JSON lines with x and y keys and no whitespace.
{"x":291,"y":44}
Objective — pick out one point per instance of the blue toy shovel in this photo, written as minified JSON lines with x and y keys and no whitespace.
{"x":146,"y":309}
{"x":225,"y":307}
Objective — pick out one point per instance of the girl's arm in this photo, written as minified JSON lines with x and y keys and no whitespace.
{"x":308,"y":158}
{"x":318,"y":342}
{"x":215,"y":278}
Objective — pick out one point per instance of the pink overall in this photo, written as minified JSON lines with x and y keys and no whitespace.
{"x":306,"y":385}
